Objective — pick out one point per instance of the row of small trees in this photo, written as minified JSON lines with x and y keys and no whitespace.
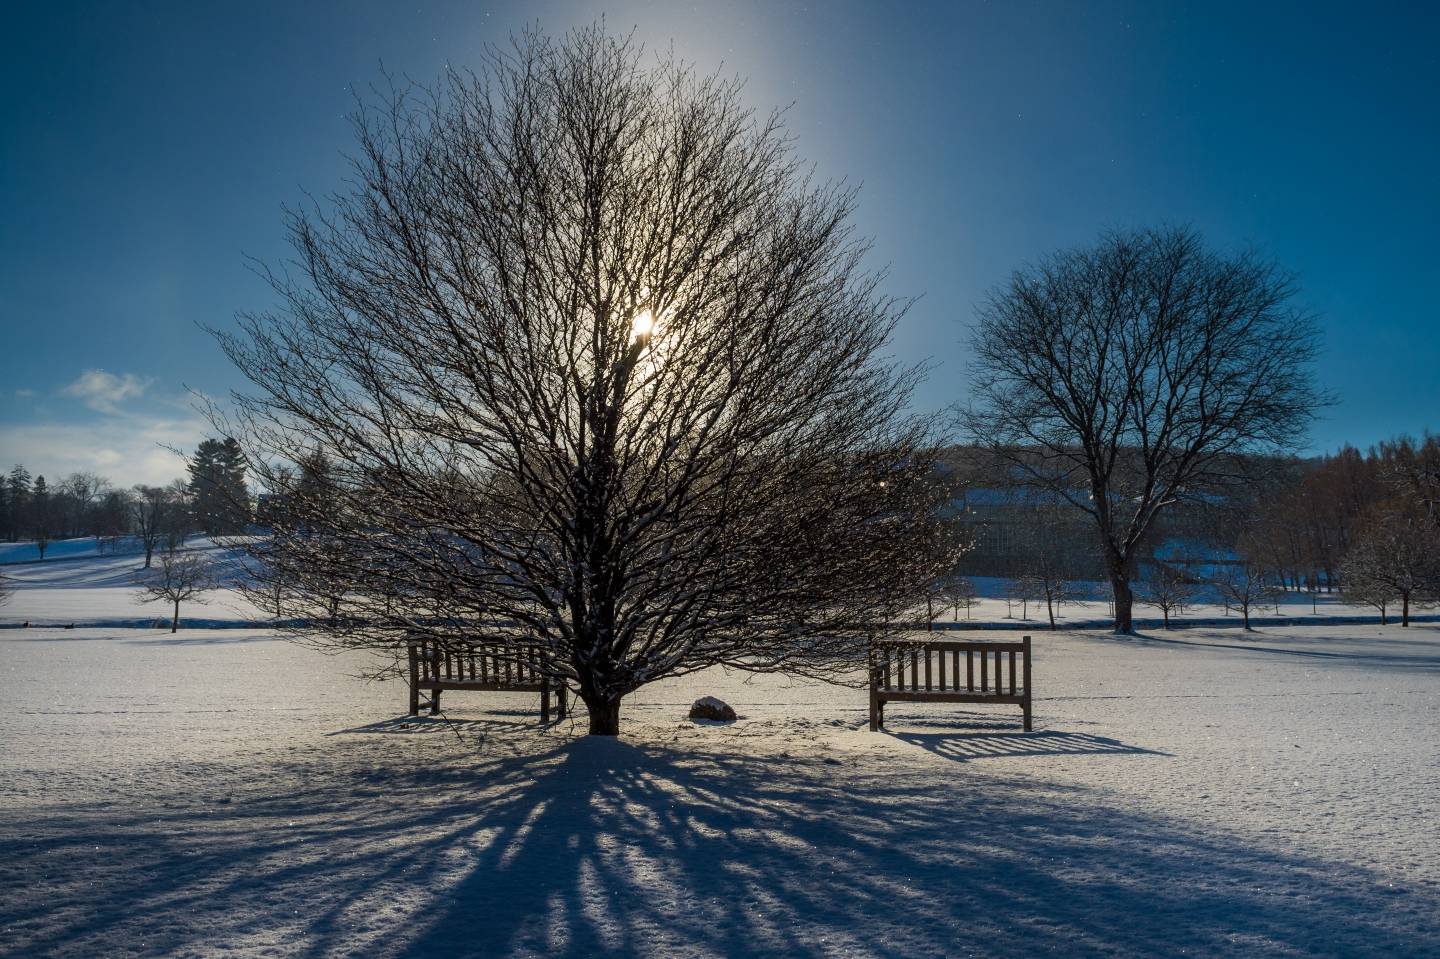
{"x":214,"y":500}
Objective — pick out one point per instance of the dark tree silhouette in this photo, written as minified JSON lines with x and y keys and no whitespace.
{"x":219,"y":499}
{"x":596,"y":370}
{"x":1128,"y":375}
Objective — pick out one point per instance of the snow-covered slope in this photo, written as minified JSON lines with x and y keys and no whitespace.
{"x":93,"y":589}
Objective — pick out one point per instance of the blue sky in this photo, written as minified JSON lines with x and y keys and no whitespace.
{"x":146,"y":150}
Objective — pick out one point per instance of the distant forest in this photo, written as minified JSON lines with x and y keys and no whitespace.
{"x":1359,"y":521}
{"x":214,"y":499}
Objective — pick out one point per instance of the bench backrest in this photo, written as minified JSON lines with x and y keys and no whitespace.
{"x":477,"y":662}
{"x":950,"y":666}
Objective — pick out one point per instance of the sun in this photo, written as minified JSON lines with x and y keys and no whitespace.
{"x":642,"y":325}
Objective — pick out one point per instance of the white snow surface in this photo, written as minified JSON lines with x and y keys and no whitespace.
{"x":1201,"y":792}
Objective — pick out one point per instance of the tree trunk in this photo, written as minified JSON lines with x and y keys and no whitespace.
{"x":1165,"y":612}
{"x":1124,"y":601}
{"x":175,"y":623}
{"x":149,"y":553}
{"x":1245,"y":614}
{"x":1404,"y":609}
{"x":604,"y":714}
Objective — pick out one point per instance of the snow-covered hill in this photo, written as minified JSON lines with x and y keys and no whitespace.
{"x":82,"y":587}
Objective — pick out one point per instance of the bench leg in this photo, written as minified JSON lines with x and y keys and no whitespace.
{"x":1026,"y":707}
{"x":545,"y":705}
{"x":434,"y":702}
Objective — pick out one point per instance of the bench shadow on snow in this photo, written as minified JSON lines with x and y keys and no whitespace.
{"x":593,"y":847}
{"x":963,"y":747}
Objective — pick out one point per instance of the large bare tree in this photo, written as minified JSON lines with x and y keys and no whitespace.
{"x":1131,"y":374}
{"x":595,"y":372}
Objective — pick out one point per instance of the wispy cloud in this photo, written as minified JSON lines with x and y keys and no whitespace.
{"x":104,"y":391}
{"x":128,"y":449}
{"x":24,"y":394}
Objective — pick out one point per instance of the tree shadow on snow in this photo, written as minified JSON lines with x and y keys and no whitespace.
{"x":596,"y":847}
{"x":1346,"y":657}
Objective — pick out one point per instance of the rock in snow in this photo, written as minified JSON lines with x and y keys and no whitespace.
{"x":708,"y":707}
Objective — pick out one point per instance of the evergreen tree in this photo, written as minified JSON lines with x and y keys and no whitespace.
{"x":41,"y":518}
{"x":17,"y":487}
{"x":219,"y":499}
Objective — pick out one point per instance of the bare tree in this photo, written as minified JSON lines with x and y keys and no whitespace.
{"x":75,"y":496}
{"x":1395,"y":558}
{"x":1132,"y":374}
{"x":1043,"y":548}
{"x":111,"y":518}
{"x":5,"y":591}
{"x":960,"y":594}
{"x":599,"y":374}
{"x":151,"y":514}
{"x":1024,"y":589}
{"x":180,"y":577}
{"x":176,"y":522}
{"x":1413,"y":470}
{"x":1168,"y":589}
{"x":1243,"y":585}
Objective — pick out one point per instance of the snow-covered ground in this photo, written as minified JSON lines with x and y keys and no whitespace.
{"x":1203,"y":792}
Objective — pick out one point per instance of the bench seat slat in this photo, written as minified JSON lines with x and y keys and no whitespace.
{"x":910,"y":696}
{"x":444,"y":684}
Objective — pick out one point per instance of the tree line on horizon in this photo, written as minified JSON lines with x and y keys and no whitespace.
{"x":214,"y":499}
{"x":1364,"y":525}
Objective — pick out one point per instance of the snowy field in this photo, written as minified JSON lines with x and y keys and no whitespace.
{"x":78,"y":585}
{"x":1202,"y":792}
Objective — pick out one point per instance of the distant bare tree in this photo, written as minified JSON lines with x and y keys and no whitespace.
{"x":960,"y":594}
{"x":1414,"y":472}
{"x":1243,"y":585}
{"x":5,"y":591}
{"x":181,"y":577}
{"x":176,"y":523}
{"x":75,"y":496}
{"x":111,"y":518}
{"x":1024,"y":589}
{"x":151,"y":509}
{"x":1167,"y":589}
{"x":1395,"y":558}
{"x":599,"y":375}
{"x":1129,"y":375}
{"x":1042,"y":546}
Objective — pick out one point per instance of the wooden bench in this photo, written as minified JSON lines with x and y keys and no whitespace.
{"x":949,"y":672}
{"x":436,"y":666}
